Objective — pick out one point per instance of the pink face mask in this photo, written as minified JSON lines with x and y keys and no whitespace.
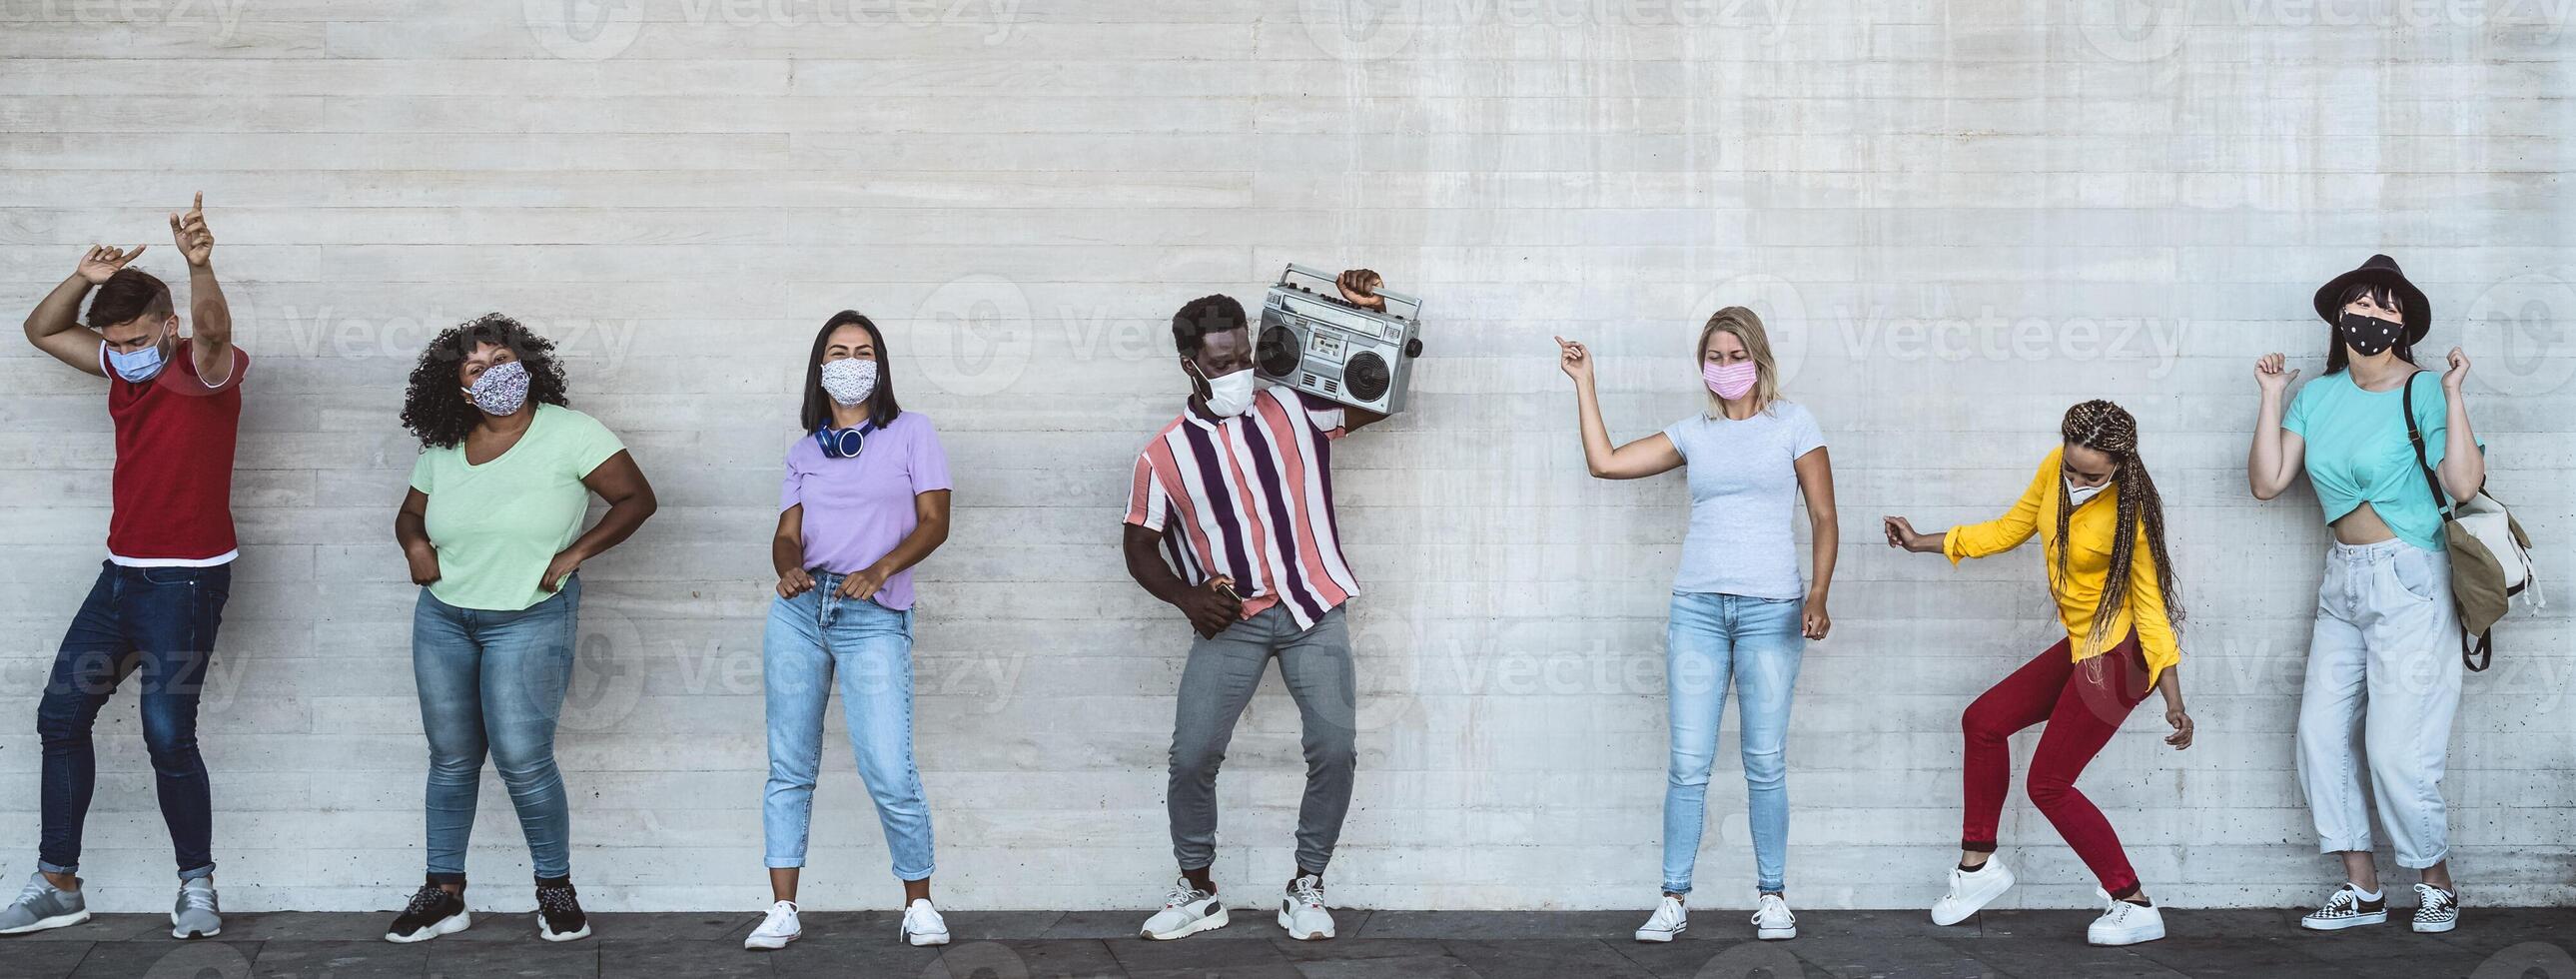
{"x":1730,"y":381}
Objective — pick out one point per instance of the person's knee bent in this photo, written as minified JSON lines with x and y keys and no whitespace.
{"x":58,"y":721}
{"x":172,"y":745}
{"x":1199,"y":763}
{"x":2047,"y":791}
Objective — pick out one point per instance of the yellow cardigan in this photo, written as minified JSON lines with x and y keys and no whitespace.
{"x":2091,"y":526}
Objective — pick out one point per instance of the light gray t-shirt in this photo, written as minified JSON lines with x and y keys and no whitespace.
{"x":1744,"y":497}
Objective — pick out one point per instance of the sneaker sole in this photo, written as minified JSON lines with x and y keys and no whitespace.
{"x":2115,"y":943}
{"x":1661,"y":936}
{"x":925,"y":939}
{"x":2339,"y":924}
{"x":186,"y":935}
{"x":765,"y":944}
{"x":554,"y":936}
{"x":1775,"y":934}
{"x":445,"y":926}
{"x":1210,"y":923}
{"x":49,"y":924}
{"x":1315,"y":936}
{"x":2436,"y":927}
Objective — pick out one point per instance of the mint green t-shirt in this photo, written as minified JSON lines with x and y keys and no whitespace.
{"x":2357,"y":450}
{"x":497,"y":525}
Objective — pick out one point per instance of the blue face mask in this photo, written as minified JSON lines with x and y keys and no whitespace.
{"x":137,"y":366}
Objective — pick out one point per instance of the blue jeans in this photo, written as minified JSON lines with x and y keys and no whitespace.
{"x":159,"y":622}
{"x":1757,"y":642}
{"x":493,"y":683}
{"x":811,"y":638}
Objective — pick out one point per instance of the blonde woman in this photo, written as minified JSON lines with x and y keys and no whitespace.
{"x":1739,"y":610}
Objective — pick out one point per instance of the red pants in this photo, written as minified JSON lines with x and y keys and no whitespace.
{"x":2083,"y":704}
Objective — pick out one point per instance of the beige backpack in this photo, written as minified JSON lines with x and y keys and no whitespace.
{"x":2490,"y":555}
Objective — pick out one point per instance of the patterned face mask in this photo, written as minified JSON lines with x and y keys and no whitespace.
{"x":2367,"y":335}
{"x":850,"y":380}
{"x":502,"y":389}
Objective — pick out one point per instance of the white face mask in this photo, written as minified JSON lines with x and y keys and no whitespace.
{"x":1230,"y":394}
{"x":850,"y":380}
{"x":2079,"y":494}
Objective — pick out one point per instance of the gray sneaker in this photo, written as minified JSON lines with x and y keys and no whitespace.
{"x":42,"y":906}
{"x":195,"y":915}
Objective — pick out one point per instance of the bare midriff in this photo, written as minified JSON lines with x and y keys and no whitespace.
{"x":2362,"y":526}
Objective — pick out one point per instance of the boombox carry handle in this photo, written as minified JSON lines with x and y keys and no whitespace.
{"x":1411,"y":306}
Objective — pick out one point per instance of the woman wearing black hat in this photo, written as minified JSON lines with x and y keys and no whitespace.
{"x":2384,"y":672}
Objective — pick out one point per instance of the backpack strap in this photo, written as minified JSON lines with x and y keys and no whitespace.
{"x":2442,"y":502}
{"x":2474,"y":656}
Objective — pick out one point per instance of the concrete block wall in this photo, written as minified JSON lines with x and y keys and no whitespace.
{"x":1958,"y":217}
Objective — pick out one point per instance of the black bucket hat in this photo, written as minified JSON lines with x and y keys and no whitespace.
{"x":2413,"y":308}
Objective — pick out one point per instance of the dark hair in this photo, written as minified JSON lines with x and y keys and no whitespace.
{"x":1202,"y":316}
{"x":882,"y":408}
{"x":2337,"y":358}
{"x":2110,"y":429}
{"x":436,"y":411}
{"x":126,"y":296}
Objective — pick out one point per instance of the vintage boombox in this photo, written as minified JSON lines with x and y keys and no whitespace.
{"x":1313,"y":341}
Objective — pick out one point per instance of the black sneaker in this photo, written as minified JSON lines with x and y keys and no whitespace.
{"x":432,"y":912}
{"x":559,"y":917}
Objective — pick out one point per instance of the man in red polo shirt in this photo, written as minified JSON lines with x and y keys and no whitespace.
{"x":176,"y":403}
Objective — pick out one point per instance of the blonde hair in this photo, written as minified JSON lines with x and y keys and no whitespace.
{"x":1747,"y":329}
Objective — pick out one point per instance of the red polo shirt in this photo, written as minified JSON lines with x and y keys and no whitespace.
{"x":173,"y":490}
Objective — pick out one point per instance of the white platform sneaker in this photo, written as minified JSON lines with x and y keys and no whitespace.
{"x":2123,"y":923}
{"x":1971,"y":891}
{"x":922,"y":924}
{"x":1670,"y":920}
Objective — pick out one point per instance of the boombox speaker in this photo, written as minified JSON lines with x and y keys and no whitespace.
{"x":1313,"y":341}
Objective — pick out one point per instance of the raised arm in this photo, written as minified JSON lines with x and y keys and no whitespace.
{"x":55,"y":328}
{"x":2277,"y":453}
{"x":2464,"y":468}
{"x":1644,"y":457}
{"x":210,"y":318}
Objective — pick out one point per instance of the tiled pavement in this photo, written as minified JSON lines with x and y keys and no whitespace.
{"x":2492,"y":944}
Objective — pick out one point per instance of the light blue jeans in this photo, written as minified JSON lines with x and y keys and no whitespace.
{"x":493,"y":683}
{"x":812,"y":637}
{"x":1756,"y":642}
{"x":2383,"y":685}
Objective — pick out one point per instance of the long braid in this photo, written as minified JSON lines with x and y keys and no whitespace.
{"x":2109,"y":429}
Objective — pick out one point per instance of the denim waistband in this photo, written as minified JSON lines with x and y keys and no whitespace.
{"x":2373,"y":553}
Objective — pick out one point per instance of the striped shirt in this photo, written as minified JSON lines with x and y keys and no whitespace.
{"x":1252,"y":499}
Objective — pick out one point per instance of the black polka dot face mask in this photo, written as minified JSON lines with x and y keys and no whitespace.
{"x":2369,"y":336}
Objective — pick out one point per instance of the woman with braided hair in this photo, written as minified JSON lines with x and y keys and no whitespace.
{"x":2102,"y":530}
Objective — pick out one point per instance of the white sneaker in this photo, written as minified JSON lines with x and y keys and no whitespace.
{"x":777,"y":928}
{"x":2124,"y":923}
{"x":1186,"y":911}
{"x":2347,"y":909}
{"x":2436,"y":909}
{"x":1971,"y":891}
{"x":1772,"y":921}
{"x":922,"y":924}
{"x":1302,"y":913}
{"x":1671,"y":918}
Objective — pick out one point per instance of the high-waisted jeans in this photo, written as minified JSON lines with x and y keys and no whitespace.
{"x":1755,"y":642}
{"x":811,"y":639}
{"x":2383,"y":684}
{"x":493,"y":683}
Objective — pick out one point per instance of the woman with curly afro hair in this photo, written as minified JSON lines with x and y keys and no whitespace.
{"x":492,"y":529}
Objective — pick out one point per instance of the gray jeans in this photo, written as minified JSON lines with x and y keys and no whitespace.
{"x":1219,"y":680}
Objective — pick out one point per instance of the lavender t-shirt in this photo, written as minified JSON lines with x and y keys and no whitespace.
{"x":857,"y":510}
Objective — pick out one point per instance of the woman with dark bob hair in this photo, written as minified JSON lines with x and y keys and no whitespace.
{"x":865,"y":498}
{"x":492,"y":529}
